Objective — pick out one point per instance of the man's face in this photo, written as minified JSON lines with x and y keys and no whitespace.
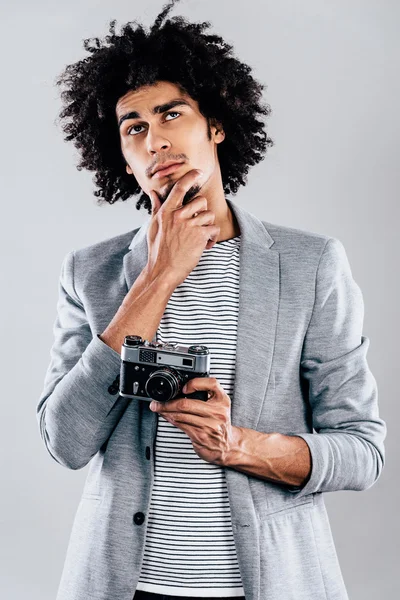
{"x":172,"y":133}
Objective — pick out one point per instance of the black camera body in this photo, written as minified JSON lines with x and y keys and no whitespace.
{"x":156,"y":371}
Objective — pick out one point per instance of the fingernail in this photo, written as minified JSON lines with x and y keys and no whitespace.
{"x":184,"y":389}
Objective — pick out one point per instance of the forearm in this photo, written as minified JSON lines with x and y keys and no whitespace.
{"x":141,"y":311}
{"x":77,"y":413}
{"x":273,"y":456}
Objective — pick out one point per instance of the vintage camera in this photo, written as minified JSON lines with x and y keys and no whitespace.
{"x":156,"y":371}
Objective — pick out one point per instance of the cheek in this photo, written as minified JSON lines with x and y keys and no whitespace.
{"x":201,"y":152}
{"x":140,"y":178}
{"x":134,"y":159}
{"x":197,"y":138}
{"x":139,"y":172}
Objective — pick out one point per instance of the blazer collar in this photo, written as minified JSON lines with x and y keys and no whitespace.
{"x":258,"y":310}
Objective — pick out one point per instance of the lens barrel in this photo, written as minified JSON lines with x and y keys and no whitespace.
{"x":162,"y":385}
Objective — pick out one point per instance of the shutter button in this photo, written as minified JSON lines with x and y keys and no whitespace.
{"x":138,"y":518}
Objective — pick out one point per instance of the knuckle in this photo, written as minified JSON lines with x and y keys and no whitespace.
{"x":223,"y":419}
{"x":203,"y":438}
{"x":178,"y":215}
{"x":161,"y":215}
{"x":180,"y":186}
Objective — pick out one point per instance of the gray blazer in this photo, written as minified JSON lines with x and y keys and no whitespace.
{"x":301,"y":366}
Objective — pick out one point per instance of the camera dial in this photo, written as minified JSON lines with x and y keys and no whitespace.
{"x":198,"y":350}
{"x":133,"y":340}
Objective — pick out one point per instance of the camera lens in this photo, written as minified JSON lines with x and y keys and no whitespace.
{"x":162,"y":385}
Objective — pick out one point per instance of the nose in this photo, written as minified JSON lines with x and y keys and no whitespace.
{"x":156,"y":142}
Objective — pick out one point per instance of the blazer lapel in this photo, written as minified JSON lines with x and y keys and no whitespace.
{"x":257,"y":320}
{"x":258,"y":311}
{"x":135,"y":260}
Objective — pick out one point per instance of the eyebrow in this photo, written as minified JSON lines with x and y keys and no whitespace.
{"x":160,"y":108}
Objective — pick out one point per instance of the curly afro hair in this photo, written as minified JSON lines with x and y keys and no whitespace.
{"x":179,"y":52}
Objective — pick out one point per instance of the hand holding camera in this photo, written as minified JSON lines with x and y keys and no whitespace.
{"x":159,"y":371}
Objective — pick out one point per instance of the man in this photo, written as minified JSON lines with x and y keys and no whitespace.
{"x":224,"y":497}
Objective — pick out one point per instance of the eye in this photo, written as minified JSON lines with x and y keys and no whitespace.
{"x":173,"y":113}
{"x":128,"y":131}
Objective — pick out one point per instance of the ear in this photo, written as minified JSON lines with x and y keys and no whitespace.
{"x":128,"y":169}
{"x":218,"y":131}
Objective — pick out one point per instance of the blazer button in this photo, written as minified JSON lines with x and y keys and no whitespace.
{"x":114,"y":387}
{"x":139,"y":518}
{"x":148,"y":452}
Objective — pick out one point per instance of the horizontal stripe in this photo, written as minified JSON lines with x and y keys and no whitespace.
{"x":189,"y":541}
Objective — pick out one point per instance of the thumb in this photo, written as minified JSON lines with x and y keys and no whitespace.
{"x":155,"y":202}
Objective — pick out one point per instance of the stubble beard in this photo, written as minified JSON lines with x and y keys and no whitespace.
{"x":189,"y":195}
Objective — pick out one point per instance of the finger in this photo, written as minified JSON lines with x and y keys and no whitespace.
{"x":198,"y":204}
{"x":212,"y":234}
{"x":210,"y":244}
{"x":155,"y":202}
{"x":210,"y":384}
{"x":179,"y":405}
{"x":206,"y":217}
{"x":183,"y":421}
{"x":180,"y":188}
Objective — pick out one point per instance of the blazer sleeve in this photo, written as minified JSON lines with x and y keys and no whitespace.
{"x":347,"y":450}
{"x":80,"y":405}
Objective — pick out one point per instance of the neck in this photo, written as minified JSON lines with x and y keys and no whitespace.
{"x":216,"y":202}
{"x":228,"y":223}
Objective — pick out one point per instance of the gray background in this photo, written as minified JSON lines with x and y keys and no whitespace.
{"x":332,"y":74}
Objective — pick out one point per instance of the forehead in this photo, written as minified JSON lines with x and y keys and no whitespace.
{"x":145,"y":97}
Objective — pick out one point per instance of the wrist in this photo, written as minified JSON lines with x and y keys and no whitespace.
{"x":161,"y":277}
{"x":235,"y":455}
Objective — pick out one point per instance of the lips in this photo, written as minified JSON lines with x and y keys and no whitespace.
{"x":166,"y":168}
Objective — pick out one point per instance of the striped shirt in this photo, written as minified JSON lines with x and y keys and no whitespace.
{"x":189,"y":548}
